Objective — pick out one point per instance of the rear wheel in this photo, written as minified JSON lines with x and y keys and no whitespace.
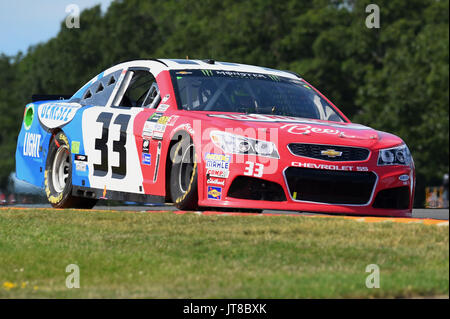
{"x":58,"y":176}
{"x":183,"y":175}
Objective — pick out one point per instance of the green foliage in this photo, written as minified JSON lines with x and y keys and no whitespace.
{"x":394,"y":78}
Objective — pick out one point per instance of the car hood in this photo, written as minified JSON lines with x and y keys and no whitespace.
{"x":287,"y":129}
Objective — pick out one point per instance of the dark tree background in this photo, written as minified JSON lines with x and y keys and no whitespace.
{"x":395,"y":78}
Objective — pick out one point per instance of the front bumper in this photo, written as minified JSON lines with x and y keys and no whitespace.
{"x":388,"y":181}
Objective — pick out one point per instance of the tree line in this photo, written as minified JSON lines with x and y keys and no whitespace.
{"x":393,"y":78}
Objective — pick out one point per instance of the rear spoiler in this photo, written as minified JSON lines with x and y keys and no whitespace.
{"x":49,"y":97}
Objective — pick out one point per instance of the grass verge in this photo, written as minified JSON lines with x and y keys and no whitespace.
{"x":159,"y":255}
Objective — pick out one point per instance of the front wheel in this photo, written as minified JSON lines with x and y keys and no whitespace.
{"x":58,"y":176}
{"x":183,"y":176}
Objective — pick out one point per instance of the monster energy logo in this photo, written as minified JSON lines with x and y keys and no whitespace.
{"x":274,"y":78}
{"x":207,"y":72}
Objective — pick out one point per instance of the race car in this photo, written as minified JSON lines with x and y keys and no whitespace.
{"x":206,"y":134}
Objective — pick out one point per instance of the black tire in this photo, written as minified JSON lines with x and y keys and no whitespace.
{"x":58,"y":176}
{"x":183,"y":175}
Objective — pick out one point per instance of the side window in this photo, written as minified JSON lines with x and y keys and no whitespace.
{"x":138,"y":89}
{"x":100,"y":91}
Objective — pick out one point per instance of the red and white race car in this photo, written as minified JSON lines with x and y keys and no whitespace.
{"x":210,"y":134}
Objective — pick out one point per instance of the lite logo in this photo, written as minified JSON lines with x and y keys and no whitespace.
{"x":31,"y":145}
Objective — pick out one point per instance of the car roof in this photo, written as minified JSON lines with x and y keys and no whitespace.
{"x":177,"y":64}
{"x":158,"y":65}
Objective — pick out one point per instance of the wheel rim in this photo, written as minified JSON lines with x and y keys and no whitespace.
{"x":187,"y":168}
{"x":60,"y":170}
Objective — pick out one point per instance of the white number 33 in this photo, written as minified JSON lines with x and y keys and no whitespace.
{"x":254,"y":169}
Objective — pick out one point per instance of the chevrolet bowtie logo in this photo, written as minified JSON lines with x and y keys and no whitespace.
{"x":331,"y":153}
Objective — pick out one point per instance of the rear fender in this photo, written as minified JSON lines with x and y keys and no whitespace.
{"x":32,"y":148}
{"x":42,"y":120}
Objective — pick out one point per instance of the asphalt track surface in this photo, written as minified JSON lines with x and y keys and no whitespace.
{"x":428,"y":213}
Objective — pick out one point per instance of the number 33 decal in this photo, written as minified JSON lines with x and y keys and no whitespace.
{"x":101,"y":169}
{"x":254,"y":169}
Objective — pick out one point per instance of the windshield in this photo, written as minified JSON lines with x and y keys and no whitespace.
{"x":256,"y":93}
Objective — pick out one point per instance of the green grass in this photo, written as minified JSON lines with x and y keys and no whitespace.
{"x":163,"y":255}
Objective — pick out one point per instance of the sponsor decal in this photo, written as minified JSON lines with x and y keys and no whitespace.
{"x":184,"y":72}
{"x":207,"y":72}
{"x":214,"y":192}
{"x":216,"y":181}
{"x":159,"y":127}
{"x":54,"y":115}
{"x":236,"y":74}
{"x":331,"y":153}
{"x":217,"y":173}
{"x":80,"y":162}
{"x":163,"y":120}
{"x":286,"y":119}
{"x":307,"y":129}
{"x":331,"y":167}
{"x":81,"y":166}
{"x":158,"y":135}
{"x":81,"y":158}
{"x":217,"y":161}
{"x":31,"y":145}
{"x":162,"y":107}
{"x":145,"y":146}
{"x":172,"y":120}
{"x":153,"y":124}
{"x":165,"y":98}
{"x":155,"y":117}
{"x":146,"y":159}
{"x":75,"y":147}
{"x":148,"y":129}
{"x":187,"y":127}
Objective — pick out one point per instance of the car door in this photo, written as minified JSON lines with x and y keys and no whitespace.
{"x":108,"y":134}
